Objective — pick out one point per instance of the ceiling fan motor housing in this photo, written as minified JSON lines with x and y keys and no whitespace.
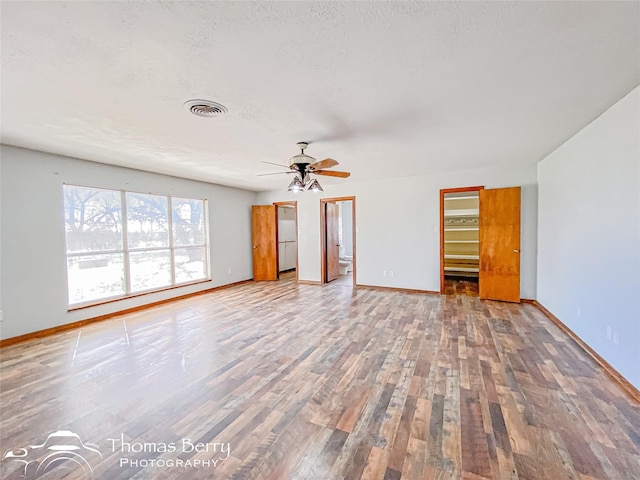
{"x":301,"y":159}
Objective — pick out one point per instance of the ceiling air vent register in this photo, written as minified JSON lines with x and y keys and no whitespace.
{"x":205,"y":108}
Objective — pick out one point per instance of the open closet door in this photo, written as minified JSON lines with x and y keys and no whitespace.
{"x":265,"y":242}
{"x":500,"y":244}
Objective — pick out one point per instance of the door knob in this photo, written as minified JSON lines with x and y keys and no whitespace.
{"x":255,"y":246}
{"x":516,"y":251}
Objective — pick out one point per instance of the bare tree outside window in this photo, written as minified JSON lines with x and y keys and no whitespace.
{"x":189,"y":232}
{"x":119,"y":243}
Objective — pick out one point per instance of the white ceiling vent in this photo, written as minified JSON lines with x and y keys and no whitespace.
{"x":205,"y":108}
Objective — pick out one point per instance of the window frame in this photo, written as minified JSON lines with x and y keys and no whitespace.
{"x":126,"y":250}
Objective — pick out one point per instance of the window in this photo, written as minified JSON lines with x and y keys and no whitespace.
{"x":123,"y":243}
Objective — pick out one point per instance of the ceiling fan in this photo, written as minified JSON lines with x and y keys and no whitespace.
{"x":303,"y":166}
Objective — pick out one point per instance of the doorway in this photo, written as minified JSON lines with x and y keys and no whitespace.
{"x":287,"y":239}
{"x":480,"y":238}
{"x":269,"y":258}
{"x":338,"y":240}
{"x":460,"y":241}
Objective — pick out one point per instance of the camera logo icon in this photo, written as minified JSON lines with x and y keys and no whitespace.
{"x":61,"y":450}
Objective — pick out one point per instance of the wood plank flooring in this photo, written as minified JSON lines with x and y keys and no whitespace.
{"x":285,"y":381}
{"x":461,"y":286}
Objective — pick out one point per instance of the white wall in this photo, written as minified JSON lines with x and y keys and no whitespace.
{"x":397,"y":223}
{"x":33,"y":269}
{"x":589,"y":234}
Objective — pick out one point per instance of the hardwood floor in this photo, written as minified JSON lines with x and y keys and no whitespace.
{"x":285,"y":381}
{"x":344,"y":280}
{"x":461,"y":286}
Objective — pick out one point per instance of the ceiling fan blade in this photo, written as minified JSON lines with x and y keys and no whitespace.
{"x":276,"y":173}
{"x":331,"y":173}
{"x":278,"y":164}
{"x":326,"y":163}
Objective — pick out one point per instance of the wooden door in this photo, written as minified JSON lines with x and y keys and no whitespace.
{"x":332,"y":216}
{"x":264,"y":242}
{"x":500,"y":244}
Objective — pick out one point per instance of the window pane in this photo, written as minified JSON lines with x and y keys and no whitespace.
{"x":191,"y":264}
{"x":92,"y":277}
{"x":98,"y":252}
{"x":147,"y":220}
{"x":93,"y":219}
{"x":149,"y":270}
{"x":188,"y":221}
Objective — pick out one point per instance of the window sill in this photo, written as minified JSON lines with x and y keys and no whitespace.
{"x":106,"y":301}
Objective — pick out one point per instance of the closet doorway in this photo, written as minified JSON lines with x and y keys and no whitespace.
{"x":338,"y":240}
{"x":287,"y":239}
{"x":480,"y":242}
{"x":460,"y":240}
{"x":269,"y":257}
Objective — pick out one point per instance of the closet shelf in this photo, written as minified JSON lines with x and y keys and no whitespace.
{"x":465,"y":197}
{"x":463,"y":212}
{"x":462,"y":257}
{"x":461,"y":269}
{"x":461,"y":229}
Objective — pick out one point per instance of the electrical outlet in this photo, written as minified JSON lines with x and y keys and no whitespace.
{"x":385,"y":273}
{"x":392,"y":273}
{"x":616,"y":338}
{"x":608,"y":332}
{"x":578,"y":309}
{"x":229,"y":271}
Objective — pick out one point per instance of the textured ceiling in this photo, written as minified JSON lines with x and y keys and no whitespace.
{"x":387,"y":89}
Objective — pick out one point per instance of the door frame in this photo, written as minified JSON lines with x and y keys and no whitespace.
{"x":444,"y":191}
{"x":294,"y":204}
{"x":323,"y":235}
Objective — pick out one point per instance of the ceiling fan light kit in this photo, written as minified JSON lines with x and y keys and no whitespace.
{"x":315,"y":186}
{"x":296,"y":185}
{"x":304,"y":165}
